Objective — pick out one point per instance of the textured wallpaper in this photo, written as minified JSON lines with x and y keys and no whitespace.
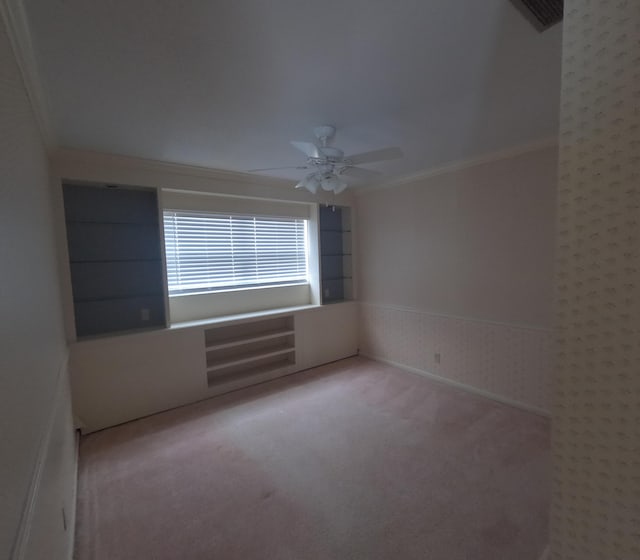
{"x":596,"y":440}
{"x":509,"y":362}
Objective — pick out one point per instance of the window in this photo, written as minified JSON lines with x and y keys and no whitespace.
{"x":209,"y":252}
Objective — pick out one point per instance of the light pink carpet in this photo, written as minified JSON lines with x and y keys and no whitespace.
{"x":355,"y":460}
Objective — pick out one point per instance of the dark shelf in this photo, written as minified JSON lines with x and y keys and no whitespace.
{"x":337,"y":278}
{"x":114,"y":261}
{"x":119,"y":298}
{"x":99,"y":223}
{"x":114,"y":247}
{"x":335,"y":254}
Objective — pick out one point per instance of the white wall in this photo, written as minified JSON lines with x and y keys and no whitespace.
{"x":36,"y":435}
{"x":461,"y":264}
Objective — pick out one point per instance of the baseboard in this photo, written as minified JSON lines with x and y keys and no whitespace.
{"x":463,"y":386}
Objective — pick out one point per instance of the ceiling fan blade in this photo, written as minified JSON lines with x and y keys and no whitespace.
{"x":276,"y":168}
{"x":359,"y":172}
{"x":307,"y":148}
{"x":375,"y":155}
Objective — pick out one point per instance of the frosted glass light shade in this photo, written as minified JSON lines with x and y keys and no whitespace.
{"x":331,"y":182}
{"x":310,"y":182}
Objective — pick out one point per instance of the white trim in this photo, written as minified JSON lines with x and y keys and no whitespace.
{"x":522,"y":326}
{"x":459,"y":165}
{"x":199,"y":323}
{"x":21,"y":542}
{"x":463,"y":386}
{"x":244,"y":317}
{"x":99,"y":168}
{"x":186,"y":192}
{"x":16,"y":21}
{"x":64,"y":159}
{"x":74,"y":495}
{"x":220,"y":203}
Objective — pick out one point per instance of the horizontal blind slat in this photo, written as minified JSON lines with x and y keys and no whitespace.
{"x":212,"y":251}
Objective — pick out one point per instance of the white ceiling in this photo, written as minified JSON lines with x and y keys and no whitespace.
{"x":227,"y":84}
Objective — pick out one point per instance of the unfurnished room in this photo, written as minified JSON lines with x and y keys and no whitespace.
{"x":351,"y":280}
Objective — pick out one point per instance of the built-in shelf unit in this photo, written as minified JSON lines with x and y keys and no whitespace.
{"x":335,"y":254}
{"x":241,"y":354}
{"x":115,"y":258}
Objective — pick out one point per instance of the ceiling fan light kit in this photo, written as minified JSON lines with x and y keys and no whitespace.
{"x":310,"y":182}
{"x":329,"y":164}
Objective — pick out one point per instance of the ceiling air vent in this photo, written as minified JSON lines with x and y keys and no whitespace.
{"x":541,"y":13}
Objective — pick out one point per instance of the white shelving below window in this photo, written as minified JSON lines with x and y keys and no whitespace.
{"x":244,"y":339}
{"x":249,"y":358}
{"x":250,"y":352}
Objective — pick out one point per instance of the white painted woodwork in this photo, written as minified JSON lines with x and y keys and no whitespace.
{"x":120,"y":378}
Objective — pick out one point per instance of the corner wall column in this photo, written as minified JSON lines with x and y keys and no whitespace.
{"x":596,"y":435}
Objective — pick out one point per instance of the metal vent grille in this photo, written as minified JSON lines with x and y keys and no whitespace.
{"x":541,"y":13}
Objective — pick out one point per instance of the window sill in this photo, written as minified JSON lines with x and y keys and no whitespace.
{"x":241,"y":316}
{"x":218,"y":321}
{"x":237,"y":289}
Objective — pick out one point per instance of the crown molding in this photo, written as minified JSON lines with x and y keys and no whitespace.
{"x":17,"y":26}
{"x":460,"y":165}
{"x":63,"y":158}
{"x":100,"y":168}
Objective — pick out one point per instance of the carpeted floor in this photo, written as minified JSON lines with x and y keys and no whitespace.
{"x":354,"y":460}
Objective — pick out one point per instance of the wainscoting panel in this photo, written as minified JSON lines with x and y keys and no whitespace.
{"x":510,"y":362}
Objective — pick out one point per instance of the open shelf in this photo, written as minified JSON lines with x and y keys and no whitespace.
{"x":221,"y":381}
{"x":116,"y":298}
{"x":115,"y":259}
{"x":335,"y":254}
{"x":243,"y":353}
{"x":337,"y":278}
{"x":249,"y":358}
{"x":239,"y":340}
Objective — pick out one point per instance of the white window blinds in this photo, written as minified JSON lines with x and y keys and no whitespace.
{"x":211,"y":252}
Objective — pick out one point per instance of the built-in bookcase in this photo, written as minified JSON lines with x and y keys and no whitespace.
{"x":250,"y":352}
{"x":335,"y":254}
{"x":115,"y":258}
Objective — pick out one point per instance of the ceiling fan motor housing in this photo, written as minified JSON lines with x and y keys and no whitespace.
{"x":333,"y":155}
{"x":329,"y":164}
{"x":324,"y":133}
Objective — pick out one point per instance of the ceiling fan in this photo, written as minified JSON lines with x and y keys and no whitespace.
{"x":329,"y":166}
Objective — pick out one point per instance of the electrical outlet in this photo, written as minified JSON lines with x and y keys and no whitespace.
{"x":145,"y":315}
{"x":436,"y":357}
